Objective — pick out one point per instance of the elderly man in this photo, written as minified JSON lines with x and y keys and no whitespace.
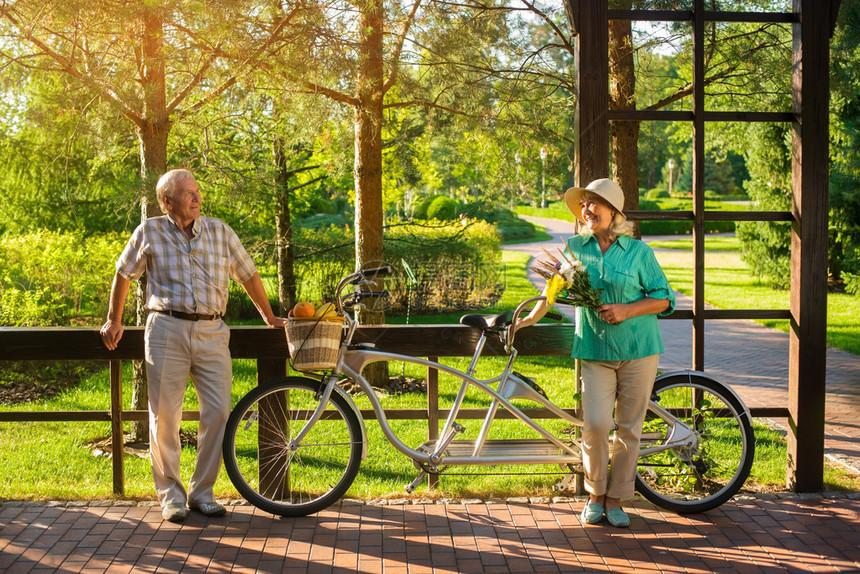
{"x":189,"y":261}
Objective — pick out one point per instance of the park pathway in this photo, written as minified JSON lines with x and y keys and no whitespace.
{"x":753,"y":359}
{"x":762,"y":535}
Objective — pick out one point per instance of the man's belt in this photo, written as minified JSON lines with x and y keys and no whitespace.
{"x":186,"y":316}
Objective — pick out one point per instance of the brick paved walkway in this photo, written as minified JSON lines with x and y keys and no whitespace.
{"x":792,"y":534}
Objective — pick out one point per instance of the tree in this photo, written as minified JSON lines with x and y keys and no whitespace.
{"x":766,"y":245}
{"x":349,"y":57}
{"x":844,"y":244}
{"x":60,"y":172}
{"x":172,"y":53}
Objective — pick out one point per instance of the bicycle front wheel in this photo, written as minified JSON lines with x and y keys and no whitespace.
{"x":700,"y":476}
{"x":291,"y":480}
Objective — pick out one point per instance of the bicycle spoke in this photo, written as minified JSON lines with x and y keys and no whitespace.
{"x":695,"y":477}
{"x":269,"y":470}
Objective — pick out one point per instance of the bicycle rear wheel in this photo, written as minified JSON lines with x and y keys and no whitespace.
{"x":698,"y":477}
{"x":278,"y":479}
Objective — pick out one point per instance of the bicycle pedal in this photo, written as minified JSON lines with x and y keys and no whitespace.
{"x":565,"y":484}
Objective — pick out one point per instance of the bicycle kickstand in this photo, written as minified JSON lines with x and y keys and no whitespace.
{"x":410,"y":488}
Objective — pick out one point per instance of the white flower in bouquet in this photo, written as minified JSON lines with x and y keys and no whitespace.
{"x":567,"y":281}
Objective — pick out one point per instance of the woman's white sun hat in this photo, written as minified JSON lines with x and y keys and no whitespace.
{"x":604,"y":188}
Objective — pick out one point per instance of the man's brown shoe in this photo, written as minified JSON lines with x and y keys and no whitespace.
{"x":209,"y":508}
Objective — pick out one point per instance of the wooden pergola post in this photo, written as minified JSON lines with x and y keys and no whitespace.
{"x":809,"y":190}
{"x":588,"y":21}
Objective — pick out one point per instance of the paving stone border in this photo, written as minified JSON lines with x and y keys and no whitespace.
{"x":423,"y":500}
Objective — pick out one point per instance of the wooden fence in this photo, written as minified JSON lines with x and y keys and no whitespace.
{"x":268,"y":347}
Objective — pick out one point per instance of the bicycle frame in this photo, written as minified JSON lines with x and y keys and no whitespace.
{"x":352,"y":361}
{"x":356,"y":359}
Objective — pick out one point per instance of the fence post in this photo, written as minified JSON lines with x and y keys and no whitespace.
{"x":433,"y":412}
{"x":116,"y":433}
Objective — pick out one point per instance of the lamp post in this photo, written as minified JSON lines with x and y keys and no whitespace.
{"x":671,"y":165}
{"x":543,"y":177}
{"x":518,"y":159}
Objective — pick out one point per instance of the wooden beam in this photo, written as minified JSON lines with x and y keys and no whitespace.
{"x":682,"y":116}
{"x":249,"y":342}
{"x":116,"y":432}
{"x":709,"y":16}
{"x":591,"y":121}
{"x":662,"y":215}
{"x":699,"y":185}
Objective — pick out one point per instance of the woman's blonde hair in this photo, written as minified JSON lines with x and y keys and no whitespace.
{"x":620,"y":224}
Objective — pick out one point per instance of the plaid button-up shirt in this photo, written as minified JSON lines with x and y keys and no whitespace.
{"x":187,"y":275}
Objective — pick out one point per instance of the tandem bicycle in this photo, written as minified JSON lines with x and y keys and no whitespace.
{"x":293,"y":445}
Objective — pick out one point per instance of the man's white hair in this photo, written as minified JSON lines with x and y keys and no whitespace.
{"x":168,"y":183}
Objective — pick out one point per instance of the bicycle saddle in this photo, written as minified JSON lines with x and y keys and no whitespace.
{"x":488,"y":322}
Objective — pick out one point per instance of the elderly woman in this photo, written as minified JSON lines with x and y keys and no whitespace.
{"x":618,"y":343}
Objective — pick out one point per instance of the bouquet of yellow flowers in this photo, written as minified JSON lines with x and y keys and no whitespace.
{"x":567,"y":281}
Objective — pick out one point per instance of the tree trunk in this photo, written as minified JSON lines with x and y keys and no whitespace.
{"x":152,"y":135}
{"x":284,"y":229}
{"x":624,"y":135}
{"x":368,"y":161}
{"x":153,"y":163}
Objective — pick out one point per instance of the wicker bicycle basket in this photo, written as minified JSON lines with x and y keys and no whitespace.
{"x":314,"y":343}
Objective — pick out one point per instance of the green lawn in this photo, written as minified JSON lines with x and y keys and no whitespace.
{"x":554,"y":210}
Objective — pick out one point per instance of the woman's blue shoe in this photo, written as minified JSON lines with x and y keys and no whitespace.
{"x":617,"y":517}
{"x":592,"y":513}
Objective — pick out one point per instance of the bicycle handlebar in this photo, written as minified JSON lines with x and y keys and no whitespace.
{"x":381,"y":271}
{"x":512,"y":330}
{"x":358,"y":278}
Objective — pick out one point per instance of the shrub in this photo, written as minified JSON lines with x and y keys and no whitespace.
{"x":852,"y":283}
{"x":325,"y":220}
{"x":442,"y":208}
{"x":456,"y":266}
{"x":419,"y":211}
{"x":515,"y":229}
{"x":30,"y":308}
{"x":660,"y":227}
{"x":766,"y":245}
{"x":657,"y":193}
{"x":323,"y":256}
{"x":321,"y":205}
{"x":54,"y":278}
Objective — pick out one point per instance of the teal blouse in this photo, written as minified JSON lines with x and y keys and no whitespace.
{"x":627,"y":272}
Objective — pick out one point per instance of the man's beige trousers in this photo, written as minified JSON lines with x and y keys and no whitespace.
{"x":175,"y":350}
